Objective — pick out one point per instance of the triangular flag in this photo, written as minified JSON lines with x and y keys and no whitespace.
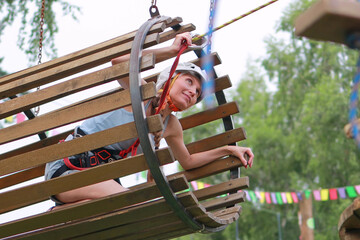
{"x":299,"y":195}
{"x":267,"y":197}
{"x":317,"y":195}
{"x":200,"y":185}
{"x":351,"y":191}
{"x":9,"y":119}
{"x":20,"y":117}
{"x":262,"y":197}
{"x":194,"y":185}
{"x":278,"y":198}
{"x":283,"y":196}
{"x":294,"y":197}
{"x":324,"y":194}
{"x":288,"y":197}
{"x":273,"y":197}
{"x":252,"y":196}
{"x":247,"y":195}
{"x":341,"y":192}
{"x":357,"y":187}
{"x":307,"y":193}
{"x":333,"y":194}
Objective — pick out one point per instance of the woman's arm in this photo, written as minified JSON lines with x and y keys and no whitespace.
{"x":174,"y":138}
{"x":160,"y":53}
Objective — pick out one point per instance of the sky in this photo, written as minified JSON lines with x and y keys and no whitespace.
{"x":236,"y":44}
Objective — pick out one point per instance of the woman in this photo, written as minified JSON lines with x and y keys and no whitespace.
{"x":184,"y":93}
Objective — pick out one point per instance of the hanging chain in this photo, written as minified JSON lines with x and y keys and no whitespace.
{"x":211,"y":24}
{"x":37,"y":109}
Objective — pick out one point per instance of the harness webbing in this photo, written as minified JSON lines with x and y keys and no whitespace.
{"x":164,"y":95}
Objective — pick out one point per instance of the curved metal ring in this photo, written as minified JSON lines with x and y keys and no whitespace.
{"x":143,"y":131}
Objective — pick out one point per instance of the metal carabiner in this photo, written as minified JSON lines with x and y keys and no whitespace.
{"x":199,"y":47}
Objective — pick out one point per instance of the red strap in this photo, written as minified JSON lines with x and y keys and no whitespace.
{"x":184,"y":46}
{"x":134,"y":146}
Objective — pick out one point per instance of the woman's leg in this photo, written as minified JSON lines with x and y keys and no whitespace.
{"x":97,"y":190}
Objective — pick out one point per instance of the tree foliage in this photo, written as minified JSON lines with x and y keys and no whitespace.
{"x":29,"y":30}
{"x":296,"y":130}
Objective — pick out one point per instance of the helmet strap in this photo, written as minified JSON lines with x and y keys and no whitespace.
{"x":168,"y":98}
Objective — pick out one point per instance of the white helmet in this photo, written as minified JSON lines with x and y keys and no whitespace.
{"x":185,"y":67}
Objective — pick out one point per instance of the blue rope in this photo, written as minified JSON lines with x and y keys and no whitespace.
{"x":209,"y":85}
{"x":353,"y":104}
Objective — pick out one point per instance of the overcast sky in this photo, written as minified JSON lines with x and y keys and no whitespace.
{"x":236,"y":44}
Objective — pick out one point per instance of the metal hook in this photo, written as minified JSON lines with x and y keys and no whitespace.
{"x":199,"y":47}
{"x":154,"y":11}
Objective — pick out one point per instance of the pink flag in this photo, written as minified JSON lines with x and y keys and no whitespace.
{"x":283,"y":196}
{"x":20,"y":117}
{"x":294,"y":197}
{"x":357,"y":187}
{"x":194,"y":185}
{"x":317,"y":195}
{"x":267,"y":197}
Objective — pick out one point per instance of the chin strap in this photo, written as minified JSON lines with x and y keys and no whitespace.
{"x":167,"y":98}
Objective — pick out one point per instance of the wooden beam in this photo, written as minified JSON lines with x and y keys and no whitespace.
{"x":329,"y":20}
{"x":222,"y":188}
{"x":84,"y":210}
{"x":76,"y":113}
{"x":209,"y":115}
{"x":222,"y":202}
{"x":76,"y":146}
{"x":69,"y":87}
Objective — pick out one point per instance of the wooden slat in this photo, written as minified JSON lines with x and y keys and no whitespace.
{"x":34,"y":193}
{"x":83,"y":210}
{"x":222,"y":188}
{"x":329,"y":20}
{"x":210,"y":221}
{"x":76,"y":146}
{"x":157,"y":28}
{"x":70,"y":115}
{"x":225,"y":212}
{"x":218,"y":140}
{"x":222,"y":202}
{"x":69,"y":87}
{"x":70,"y":68}
{"x":215,"y":58}
{"x":209,"y":115}
{"x":138,"y":213}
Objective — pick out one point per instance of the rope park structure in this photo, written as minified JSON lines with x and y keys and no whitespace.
{"x":338,"y":21}
{"x":162,"y":209}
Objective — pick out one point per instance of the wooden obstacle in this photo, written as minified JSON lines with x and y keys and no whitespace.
{"x":329,"y":20}
{"x":349,"y":222}
{"x":334,"y":21}
{"x":143,"y":212}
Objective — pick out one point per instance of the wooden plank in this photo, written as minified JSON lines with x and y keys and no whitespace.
{"x":84,"y":210}
{"x":225,"y":212}
{"x":210,"y":221}
{"x":222,"y":202}
{"x":228,"y":137}
{"x":350,"y":217}
{"x":70,"y":68}
{"x":76,"y":113}
{"x":329,"y":20}
{"x":142,"y":212}
{"x":157,"y":28}
{"x":209,"y":115}
{"x":69,"y":87}
{"x":34,"y":193}
{"x":215,"y":58}
{"x":222,"y":188}
{"x":76,"y":146}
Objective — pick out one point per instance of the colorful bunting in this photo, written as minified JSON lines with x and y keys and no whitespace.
{"x":293,"y":197}
{"x":20,"y":117}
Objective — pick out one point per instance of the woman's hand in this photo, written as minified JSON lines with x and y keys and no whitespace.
{"x":176,"y":46}
{"x":242,"y":153}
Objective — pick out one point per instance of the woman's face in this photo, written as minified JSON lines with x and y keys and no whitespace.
{"x":185,"y":91}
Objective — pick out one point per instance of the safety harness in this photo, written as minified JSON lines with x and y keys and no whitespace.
{"x":102,"y":155}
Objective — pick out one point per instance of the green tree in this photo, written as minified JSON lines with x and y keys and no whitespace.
{"x":296,"y":130}
{"x":29,"y":31}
